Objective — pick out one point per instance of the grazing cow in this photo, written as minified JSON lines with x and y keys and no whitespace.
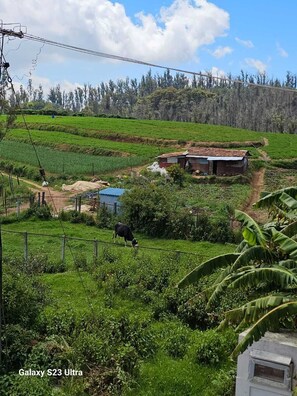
{"x":124,"y":231}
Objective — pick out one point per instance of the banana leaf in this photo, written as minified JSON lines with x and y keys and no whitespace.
{"x":207,"y":268}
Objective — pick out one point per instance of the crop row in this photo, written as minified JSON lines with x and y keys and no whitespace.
{"x":60,"y":139}
{"x":151,"y":129}
{"x":59,"y":162}
{"x":279,"y":145}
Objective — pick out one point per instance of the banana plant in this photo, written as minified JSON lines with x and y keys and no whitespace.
{"x":266,"y":258}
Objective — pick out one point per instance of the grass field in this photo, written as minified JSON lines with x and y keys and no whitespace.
{"x":13,"y":244}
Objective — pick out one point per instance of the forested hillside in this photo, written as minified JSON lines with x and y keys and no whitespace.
{"x":246,"y":101}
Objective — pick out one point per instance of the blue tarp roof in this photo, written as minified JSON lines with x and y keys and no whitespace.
{"x":115,"y":192}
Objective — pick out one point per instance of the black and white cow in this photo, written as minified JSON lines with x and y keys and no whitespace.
{"x":124,"y":231}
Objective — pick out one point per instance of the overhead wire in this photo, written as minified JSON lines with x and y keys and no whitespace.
{"x":140,"y":62}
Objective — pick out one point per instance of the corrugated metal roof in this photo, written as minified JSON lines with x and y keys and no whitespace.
{"x":116,"y":192}
{"x":215,"y":158}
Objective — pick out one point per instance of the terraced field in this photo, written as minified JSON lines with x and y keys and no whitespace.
{"x":88,"y":145}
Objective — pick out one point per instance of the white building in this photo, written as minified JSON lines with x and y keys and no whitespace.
{"x":269,"y":366}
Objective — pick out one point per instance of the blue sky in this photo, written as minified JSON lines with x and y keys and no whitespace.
{"x":222,"y":36}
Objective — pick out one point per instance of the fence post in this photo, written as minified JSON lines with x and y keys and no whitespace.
{"x":115,"y":205}
{"x":79,"y":204}
{"x":18,"y":208}
{"x":26,"y":251}
{"x":95,"y":249}
{"x":4,"y":202}
{"x":43,"y":199}
{"x":63,"y":248}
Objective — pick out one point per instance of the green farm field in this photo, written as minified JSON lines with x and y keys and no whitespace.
{"x":90,"y":145}
{"x":59,"y":139}
{"x":59,"y":162}
{"x":279,"y":145}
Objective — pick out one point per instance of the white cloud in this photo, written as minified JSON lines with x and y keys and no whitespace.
{"x":256,"y":64}
{"x":216,"y":72}
{"x":174,"y":35}
{"x":220,"y":52}
{"x":245,"y":43}
{"x":283,"y":53}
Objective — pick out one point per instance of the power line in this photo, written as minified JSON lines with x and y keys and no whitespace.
{"x":86,"y":51}
{"x":140,"y":62}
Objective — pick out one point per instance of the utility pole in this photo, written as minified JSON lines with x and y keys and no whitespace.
{"x":15,"y":32}
{"x":1,"y":296}
{"x":4,"y":78}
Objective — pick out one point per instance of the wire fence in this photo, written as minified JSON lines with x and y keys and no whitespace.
{"x":62,"y":248}
{"x":79,"y":203}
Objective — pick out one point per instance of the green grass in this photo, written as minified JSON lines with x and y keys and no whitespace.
{"x":213,"y":198}
{"x":150,"y":129}
{"x":280,"y":145}
{"x":59,"y":162}
{"x":13,"y":244}
{"x":165,"y":376}
{"x":277,"y":178}
{"x":59,"y":139}
{"x":73,"y":290}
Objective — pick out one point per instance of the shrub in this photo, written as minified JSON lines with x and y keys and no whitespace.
{"x":193,"y":312}
{"x":16,"y":385}
{"x":41,"y":212}
{"x":212,"y":347}
{"x":20,"y":287}
{"x":18,"y":344}
{"x":223,"y":384}
{"x":177,"y":174}
{"x":175,"y":338}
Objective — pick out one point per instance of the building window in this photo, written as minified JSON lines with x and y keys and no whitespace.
{"x":271,"y":369}
{"x":172,"y":160}
{"x":270,"y":373}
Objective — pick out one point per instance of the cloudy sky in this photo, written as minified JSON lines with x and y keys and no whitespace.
{"x":220,"y":35}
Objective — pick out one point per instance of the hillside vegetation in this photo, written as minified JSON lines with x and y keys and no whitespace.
{"x":90,"y":145}
{"x":112,"y":312}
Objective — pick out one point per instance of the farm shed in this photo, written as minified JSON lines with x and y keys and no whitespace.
{"x":109,"y":197}
{"x":169,"y":159}
{"x":209,"y":160}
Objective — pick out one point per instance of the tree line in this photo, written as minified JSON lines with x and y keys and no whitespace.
{"x":233,"y":101}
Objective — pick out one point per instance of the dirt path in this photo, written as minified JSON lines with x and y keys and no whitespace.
{"x":257,"y":185}
{"x":57,"y":199}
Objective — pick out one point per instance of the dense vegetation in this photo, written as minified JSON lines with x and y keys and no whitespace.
{"x":117,"y":320}
{"x":177,"y":98}
{"x":119,"y":317}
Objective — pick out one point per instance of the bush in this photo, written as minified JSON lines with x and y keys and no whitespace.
{"x":175,"y":339}
{"x":20,"y":287}
{"x":177,"y":174}
{"x":16,"y":385}
{"x":17,"y":345}
{"x":193,"y":312}
{"x":223,"y":384}
{"x":212,"y":347}
{"x":41,"y":212}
